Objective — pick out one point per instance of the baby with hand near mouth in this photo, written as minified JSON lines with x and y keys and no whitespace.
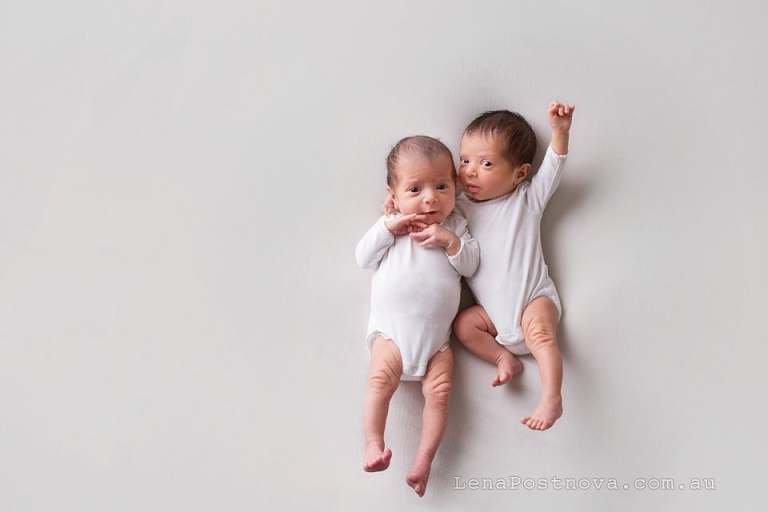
{"x":418,"y":254}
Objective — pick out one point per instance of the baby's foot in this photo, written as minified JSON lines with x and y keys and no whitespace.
{"x":507,"y":367}
{"x":376,"y":459}
{"x":419,"y":474}
{"x":545,"y":415}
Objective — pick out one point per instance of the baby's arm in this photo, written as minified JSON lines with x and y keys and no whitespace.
{"x":546,"y":180}
{"x":468,"y":257}
{"x":560,"y":117}
{"x":374,"y":245}
{"x":377,"y":240}
{"x":435,"y":234}
{"x":462,"y":250}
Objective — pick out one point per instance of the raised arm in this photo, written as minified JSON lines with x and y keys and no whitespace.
{"x":545,"y":181}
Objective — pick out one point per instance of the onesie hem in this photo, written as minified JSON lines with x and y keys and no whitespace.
{"x":421,"y":369}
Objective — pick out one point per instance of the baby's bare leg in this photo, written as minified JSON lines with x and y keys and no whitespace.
{"x":475,"y":331}
{"x":436,"y":387}
{"x":384,"y":377}
{"x":539,"y":324}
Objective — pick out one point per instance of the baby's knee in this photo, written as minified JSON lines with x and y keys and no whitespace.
{"x":461,"y":321}
{"x":540,"y":335}
{"x":465,"y":323}
{"x":383,"y":379}
{"x":438,"y":391}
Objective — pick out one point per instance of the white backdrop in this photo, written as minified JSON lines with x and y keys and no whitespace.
{"x":182,"y":186}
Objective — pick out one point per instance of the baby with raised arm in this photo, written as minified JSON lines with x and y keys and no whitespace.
{"x":518,"y":307}
{"x":418,"y":254}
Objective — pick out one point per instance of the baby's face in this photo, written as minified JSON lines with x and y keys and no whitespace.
{"x":484,"y":172}
{"x":424,"y":186}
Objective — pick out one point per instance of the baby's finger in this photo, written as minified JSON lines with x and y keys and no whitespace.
{"x":428,"y":241}
{"x":414,"y":218}
{"x":424,"y":236}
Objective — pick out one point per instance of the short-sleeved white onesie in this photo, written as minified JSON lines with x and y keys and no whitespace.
{"x":512,"y":271}
{"x":415,"y":290}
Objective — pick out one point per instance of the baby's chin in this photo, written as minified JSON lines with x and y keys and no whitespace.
{"x":476,"y":196}
{"x":473,"y":193}
{"x":480,"y":196}
{"x":435,"y":218}
{"x":430,"y":218}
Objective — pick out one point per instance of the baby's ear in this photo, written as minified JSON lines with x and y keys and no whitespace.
{"x":522,"y":171}
{"x":391,"y":197}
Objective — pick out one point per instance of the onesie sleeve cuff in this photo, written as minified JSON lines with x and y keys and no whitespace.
{"x":466,"y":259}
{"x":456,"y":256}
{"x":383,"y":224}
{"x":551,"y":151}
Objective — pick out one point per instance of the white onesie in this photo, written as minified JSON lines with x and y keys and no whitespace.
{"x":512,"y":271}
{"x":415,"y":290}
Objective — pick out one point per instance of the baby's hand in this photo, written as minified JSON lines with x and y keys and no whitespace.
{"x":435,"y":234}
{"x":560,"y":116}
{"x":406,"y":224}
{"x":388,"y":208}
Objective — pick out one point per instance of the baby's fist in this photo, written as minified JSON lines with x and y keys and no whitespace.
{"x":560,"y":116}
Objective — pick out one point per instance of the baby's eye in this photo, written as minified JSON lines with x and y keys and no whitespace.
{"x":486,"y":163}
{"x":464,"y":161}
{"x":442,"y":187}
{"x":413,"y":190}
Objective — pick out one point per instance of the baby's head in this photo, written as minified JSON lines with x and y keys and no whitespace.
{"x":421,"y":178}
{"x":496,"y":154}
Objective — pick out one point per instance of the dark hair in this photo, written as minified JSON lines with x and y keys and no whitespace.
{"x":511,"y":130}
{"x":419,"y":145}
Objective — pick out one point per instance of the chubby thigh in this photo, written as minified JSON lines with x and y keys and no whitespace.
{"x":539,"y":322}
{"x":387,"y":364}
{"x":437,"y":379}
{"x":540,"y":317}
{"x":416,"y":352}
{"x":386,"y":361}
